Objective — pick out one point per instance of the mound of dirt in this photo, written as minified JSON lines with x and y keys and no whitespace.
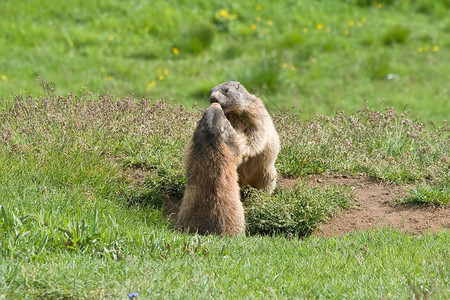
{"x":373,"y":207}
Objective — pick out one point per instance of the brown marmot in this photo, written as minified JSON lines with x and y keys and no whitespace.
{"x":211,"y":201}
{"x":257,"y":134}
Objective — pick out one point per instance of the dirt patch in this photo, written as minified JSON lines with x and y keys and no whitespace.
{"x":373,"y":207}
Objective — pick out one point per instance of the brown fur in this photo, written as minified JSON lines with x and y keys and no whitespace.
{"x":211,"y":202}
{"x":259,"y":140}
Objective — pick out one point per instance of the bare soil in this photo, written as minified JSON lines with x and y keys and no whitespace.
{"x":373,"y":207}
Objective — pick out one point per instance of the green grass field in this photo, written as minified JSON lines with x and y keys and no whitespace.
{"x":83,"y":174}
{"x":82,"y":180}
{"x":315,"y":56}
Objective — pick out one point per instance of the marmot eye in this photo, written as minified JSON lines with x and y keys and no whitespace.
{"x":226,"y":90}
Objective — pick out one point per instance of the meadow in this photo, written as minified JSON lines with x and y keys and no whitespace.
{"x":89,"y":153}
{"x":308,"y":56}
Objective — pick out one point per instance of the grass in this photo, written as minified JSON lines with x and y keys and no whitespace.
{"x":82,"y":180}
{"x":426,"y":194}
{"x":315,"y":57}
{"x":83,"y":174}
{"x":293,"y":212}
{"x":386,"y":145}
{"x":363,"y":265}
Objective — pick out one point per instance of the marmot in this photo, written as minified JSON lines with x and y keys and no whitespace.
{"x":257,"y":134}
{"x":211,"y":201}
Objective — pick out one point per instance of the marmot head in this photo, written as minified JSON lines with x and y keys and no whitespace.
{"x":214,"y":128}
{"x":231,"y":96}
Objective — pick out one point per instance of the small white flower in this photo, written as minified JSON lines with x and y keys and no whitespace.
{"x":392,"y":76}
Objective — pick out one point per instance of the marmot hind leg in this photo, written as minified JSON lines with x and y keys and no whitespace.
{"x":270,"y":179}
{"x":257,"y":177}
{"x":267,"y":180}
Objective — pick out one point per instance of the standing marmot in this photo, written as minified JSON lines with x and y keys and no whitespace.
{"x":211,"y":202}
{"x":254,"y":126}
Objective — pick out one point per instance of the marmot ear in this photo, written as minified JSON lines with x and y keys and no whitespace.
{"x":222,"y":129}
{"x":237,"y":85}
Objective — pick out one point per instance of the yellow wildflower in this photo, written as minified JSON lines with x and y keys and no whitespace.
{"x":284,"y":65}
{"x":150,"y":85}
{"x":223,"y":13}
{"x":436,"y":48}
{"x":166,"y":72}
{"x":109,"y":77}
{"x":351,"y":23}
{"x":319,"y":26}
{"x":269,"y":23}
{"x":420,"y":49}
{"x":161,"y":77}
{"x":110,"y":38}
{"x":4,"y":77}
{"x":346,"y":32}
{"x":175,"y":51}
{"x":258,"y":7}
{"x":253,"y":26}
{"x":258,"y":19}
{"x":292,"y":68}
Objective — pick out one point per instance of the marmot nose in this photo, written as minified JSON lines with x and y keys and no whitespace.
{"x":213,"y":99}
